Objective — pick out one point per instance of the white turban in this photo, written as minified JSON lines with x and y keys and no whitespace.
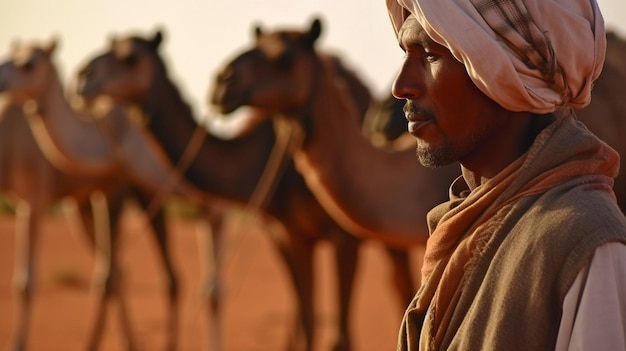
{"x":527,"y":55}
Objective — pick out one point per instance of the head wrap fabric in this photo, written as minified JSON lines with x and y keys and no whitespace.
{"x":527,"y":55}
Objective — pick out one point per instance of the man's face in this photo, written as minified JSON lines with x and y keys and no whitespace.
{"x":450,"y":117}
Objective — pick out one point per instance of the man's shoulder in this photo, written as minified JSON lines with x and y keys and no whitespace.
{"x":578,"y":211}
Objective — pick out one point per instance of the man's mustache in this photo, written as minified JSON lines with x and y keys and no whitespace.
{"x":410,"y":107}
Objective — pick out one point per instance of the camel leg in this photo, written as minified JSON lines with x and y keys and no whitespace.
{"x":403,"y":281}
{"x":346,"y":259}
{"x":297,"y":252}
{"x":159,"y":227}
{"x":102,"y":253}
{"x":160,"y":230}
{"x":27,"y":230}
{"x":210,"y":246}
{"x":113,"y":282}
{"x":99,"y":223}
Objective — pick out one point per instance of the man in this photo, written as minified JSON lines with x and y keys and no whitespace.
{"x":530,"y":251}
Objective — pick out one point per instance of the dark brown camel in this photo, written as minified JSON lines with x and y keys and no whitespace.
{"x":133,"y":71}
{"x":49,"y":152}
{"x":371,"y":192}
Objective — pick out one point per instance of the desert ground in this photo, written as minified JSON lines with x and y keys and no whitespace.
{"x":259,"y":305}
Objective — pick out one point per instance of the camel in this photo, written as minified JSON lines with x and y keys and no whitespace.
{"x":50,"y":152}
{"x":604,"y":116}
{"x":132,"y":71}
{"x":615,"y":51}
{"x":372,"y":192}
{"x":385,"y":124}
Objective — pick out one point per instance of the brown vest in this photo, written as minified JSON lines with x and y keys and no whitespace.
{"x":512,"y":293}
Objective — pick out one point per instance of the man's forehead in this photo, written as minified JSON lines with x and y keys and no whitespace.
{"x":413,"y":32}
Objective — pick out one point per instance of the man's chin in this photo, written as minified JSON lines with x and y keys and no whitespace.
{"x":431,"y":157}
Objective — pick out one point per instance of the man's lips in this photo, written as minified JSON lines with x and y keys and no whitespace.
{"x":417,"y":116}
{"x":414,"y":127}
{"x":416,"y":122}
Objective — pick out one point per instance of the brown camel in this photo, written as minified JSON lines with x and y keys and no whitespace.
{"x":133,"y":71}
{"x":371,"y":192}
{"x":50,"y":152}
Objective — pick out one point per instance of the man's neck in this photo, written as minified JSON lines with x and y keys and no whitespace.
{"x":500,"y":158}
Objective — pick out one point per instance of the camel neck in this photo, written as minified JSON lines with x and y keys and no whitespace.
{"x":356,"y":180}
{"x":170,"y":118}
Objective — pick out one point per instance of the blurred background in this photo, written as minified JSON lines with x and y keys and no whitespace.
{"x":200,"y":35}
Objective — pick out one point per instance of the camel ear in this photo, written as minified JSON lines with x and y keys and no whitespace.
{"x":51,"y":46}
{"x":157,"y":39}
{"x":315,"y":31}
{"x":258,"y":31}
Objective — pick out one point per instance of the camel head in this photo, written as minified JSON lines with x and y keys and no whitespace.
{"x":125,"y":72}
{"x":385,"y":120}
{"x":28,"y":71}
{"x":276,"y":75}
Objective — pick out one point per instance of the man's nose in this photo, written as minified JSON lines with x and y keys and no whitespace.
{"x":409,"y":83}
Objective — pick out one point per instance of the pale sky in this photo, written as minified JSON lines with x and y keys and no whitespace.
{"x":200,"y":35}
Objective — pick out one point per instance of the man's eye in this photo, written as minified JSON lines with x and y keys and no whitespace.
{"x":430,"y":57}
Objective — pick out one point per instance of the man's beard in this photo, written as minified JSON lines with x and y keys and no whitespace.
{"x":433,"y":156}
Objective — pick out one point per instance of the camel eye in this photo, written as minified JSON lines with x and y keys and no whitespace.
{"x":27,"y":64}
{"x":87,"y":71}
{"x":130,"y":59}
{"x":284,"y":61}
